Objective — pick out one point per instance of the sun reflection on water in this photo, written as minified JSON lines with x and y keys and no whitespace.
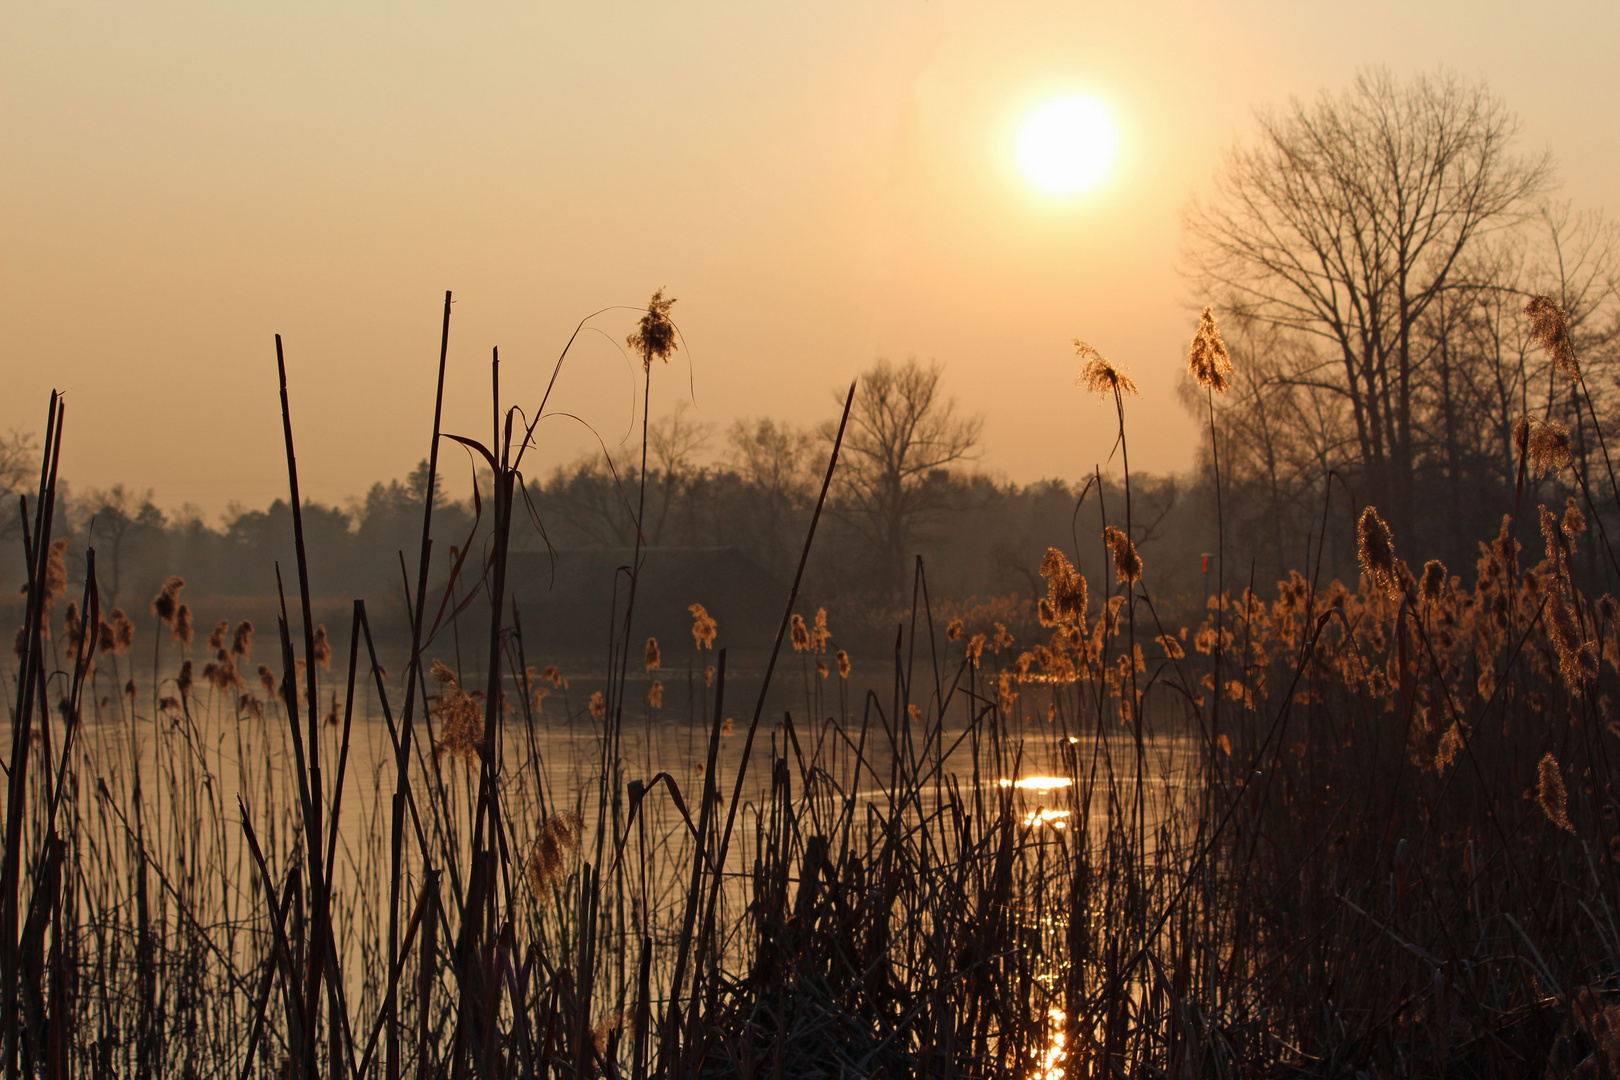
{"x":1037,"y":783}
{"x":1057,"y":819}
{"x":1049,"y":1066}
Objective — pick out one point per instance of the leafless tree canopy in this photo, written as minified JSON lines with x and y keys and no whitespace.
{"x":774,"y":459}
{"x":17,"y":462}
{"x":903,"y":434}
{"x":1372,"y":251}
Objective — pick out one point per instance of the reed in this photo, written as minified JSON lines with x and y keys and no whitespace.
{"x":1327,"y":830}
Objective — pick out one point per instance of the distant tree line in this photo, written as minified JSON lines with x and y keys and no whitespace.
{"x":902,"y":490}
{"x":1370,"y":257}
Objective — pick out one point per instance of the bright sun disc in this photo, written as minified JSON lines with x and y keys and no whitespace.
{"x":1067,"y":145}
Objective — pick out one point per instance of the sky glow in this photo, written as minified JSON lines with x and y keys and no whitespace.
{"x":1067,"y":145}
{"x":817,"y":185}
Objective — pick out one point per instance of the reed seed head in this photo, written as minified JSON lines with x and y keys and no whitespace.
{"x":1549,"y":328}
{"x":1547,"y":447}
{"x":72,"y":626}
{"x":653,"y":660}
{"x":1521,"y":436}
{"x":1574,"y":522}
{"x":800,"y":634}
{"x":183,"y":631}
{"x":123,"y":631}
{"x":955,"y":630}
{"x":461,"y":729}
{"x":1434,"y":581}
{"x":323,"y":650}
{"x":843,"y":664}
{"x":1576,"y":663}
{"x":166,"y":602}
{"x":1066,"y":594}
{"x":1208,"y":360}
{"x":704,"y":628}
{"x":598,"y":705}
{"x":655,"y":695}
{"x":184,"y":681}
{"x":1552,"y":536}
{"x":1127,"y":563}
{"x":820,"y":636}
{"x":1171,"y":645}
{"x":1098,"y":375}
{"x":557,"y":840}
{"x":1550,"y":793}
{"x":1377,"y":552}
{"x":655,"y":333}
{"x":1506,"y":548}
{"x":242,"y":640}
{"x":56,"y":571}
{"x":216,"y":640}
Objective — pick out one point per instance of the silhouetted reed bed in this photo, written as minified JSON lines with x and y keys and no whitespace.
{"x":1327,"y":831}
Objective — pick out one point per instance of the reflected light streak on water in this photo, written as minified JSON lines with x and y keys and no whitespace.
{"x":1057,"y":819}
{"x":1038,"y":783}
{"x":1050,"y":1064}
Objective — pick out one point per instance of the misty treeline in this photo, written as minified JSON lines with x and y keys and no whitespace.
{"x":905,"y":487}
{"x":1370,"y":256}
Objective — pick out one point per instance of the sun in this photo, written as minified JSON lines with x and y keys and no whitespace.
{"x":1067,"y":144}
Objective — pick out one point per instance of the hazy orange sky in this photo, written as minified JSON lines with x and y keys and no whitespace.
{"x":818,"y":184}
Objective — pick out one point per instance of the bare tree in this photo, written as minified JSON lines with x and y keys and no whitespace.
{"x":1347,"y":222}
{"x":17,"y":463}
{"x":118,"y":523}
{"x":772,"y":459}
{"x":675,"y":443}
{"x":903,"y":434}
